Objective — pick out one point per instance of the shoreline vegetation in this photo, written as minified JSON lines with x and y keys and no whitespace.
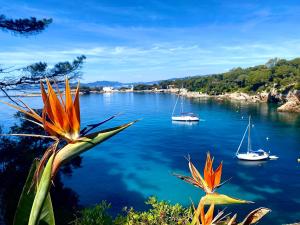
{"x":277,"y":81}
{"x":289,"y":102}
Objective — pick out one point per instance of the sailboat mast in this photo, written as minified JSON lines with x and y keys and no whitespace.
{"x":249,"y":135}
{"x":181,"y":99}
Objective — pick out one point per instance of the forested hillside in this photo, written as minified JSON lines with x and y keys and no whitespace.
{"x":282,"y":74}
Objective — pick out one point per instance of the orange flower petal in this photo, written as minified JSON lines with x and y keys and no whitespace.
{"x":44,"y":94}
{"x":75,"y":113}
{"x":198,"y":178}
{"x":208,"y":171}
{"x":209,"y":215}
{"x":47,"y":111}
{"x":59,"y":115}
{"x":202,"y":214}
{"x":218,"y":174}
{"x":76,"y":108}
{"x":69,"y":106}
{"x":59,"y":118}
{"x":59,"y":94}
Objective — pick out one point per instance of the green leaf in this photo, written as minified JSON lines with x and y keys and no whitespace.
{"x":216,"y":199}
{"x":47,"y":214}
{"x":219,"y":199}
{"x":85,"y":143}
{"x":26,"y":200}
{"x":40,"y":198}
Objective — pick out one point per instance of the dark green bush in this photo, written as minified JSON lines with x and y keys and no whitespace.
{"x":160,"y":213}
{"x":96,"y":215}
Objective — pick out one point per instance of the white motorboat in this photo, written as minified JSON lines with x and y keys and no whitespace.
{"x":251,"y":155}
{"x":183,"y":116}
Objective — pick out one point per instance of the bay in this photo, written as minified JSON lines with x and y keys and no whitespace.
{"x":139,"y":162}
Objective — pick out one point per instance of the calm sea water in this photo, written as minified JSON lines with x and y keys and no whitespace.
{"x":139,"y":162}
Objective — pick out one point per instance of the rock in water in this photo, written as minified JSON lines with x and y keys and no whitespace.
{"x":292,"y":104}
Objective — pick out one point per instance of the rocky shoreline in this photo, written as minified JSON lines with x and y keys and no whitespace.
{"x":292,"y":103}
{"x":289,"y":102}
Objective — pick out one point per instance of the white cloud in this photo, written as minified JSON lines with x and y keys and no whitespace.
{"x":167,"y":60}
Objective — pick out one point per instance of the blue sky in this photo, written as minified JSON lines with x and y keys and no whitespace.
{"x":150,"y":40}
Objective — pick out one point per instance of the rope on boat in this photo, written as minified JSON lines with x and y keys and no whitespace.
{"x":242,"y":140}
{"x":175,"y":104}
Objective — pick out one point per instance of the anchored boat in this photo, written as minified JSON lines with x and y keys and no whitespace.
{"x":183,"y":116}
{"x":251,"y":155}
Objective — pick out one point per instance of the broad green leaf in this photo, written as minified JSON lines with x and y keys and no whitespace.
{"x":219,"y":199}
{"x":26,"y":200}
{"x":85,"y":143}
{"x":41,"y":195}
{"x":254,"y":216}
{"x":47,"y":214}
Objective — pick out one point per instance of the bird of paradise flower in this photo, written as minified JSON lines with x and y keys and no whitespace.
{"x":209,"y":183}
{"x":207,"y":218}
{"x":61,"y":120}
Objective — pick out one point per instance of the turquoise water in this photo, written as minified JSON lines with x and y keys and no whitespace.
{"x":139,"y":162}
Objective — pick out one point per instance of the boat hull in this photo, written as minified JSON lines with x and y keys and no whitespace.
{"x":252,"y":156}
{"x":185,"y":118}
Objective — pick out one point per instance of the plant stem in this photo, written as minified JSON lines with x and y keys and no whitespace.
{"x":41,"y":194}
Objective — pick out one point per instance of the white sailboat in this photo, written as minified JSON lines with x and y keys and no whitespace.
{"x":183,"y":116}
{"x":251,"y":155}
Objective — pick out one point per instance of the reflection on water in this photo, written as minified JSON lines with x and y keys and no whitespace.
{"x":252,"y":163}
{"x":139,"y":162}
{"x":185,"y":123}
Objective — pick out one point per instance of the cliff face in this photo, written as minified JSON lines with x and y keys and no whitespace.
{"x":290,"y":100}
{"x":292,"y":103}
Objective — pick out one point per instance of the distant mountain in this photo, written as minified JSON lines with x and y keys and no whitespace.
{"x":103,"y":83}
{"x":115,"y":84}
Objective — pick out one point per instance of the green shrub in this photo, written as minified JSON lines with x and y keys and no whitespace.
{"x":251,"y":79}
{"x":96,"y":215}
{"x":160,"y":213}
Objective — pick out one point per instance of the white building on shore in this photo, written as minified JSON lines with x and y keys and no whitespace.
{"x":108,"y":89}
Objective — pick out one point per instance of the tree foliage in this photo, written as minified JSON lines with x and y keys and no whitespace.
{"x":27,"y":26}
{"x":280,"y":73}
{"x":140,"y":87}
{"x":32,"y":74}
{"x":12,"y":77}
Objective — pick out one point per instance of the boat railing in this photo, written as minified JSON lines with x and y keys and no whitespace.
{"x":189,"y":114}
